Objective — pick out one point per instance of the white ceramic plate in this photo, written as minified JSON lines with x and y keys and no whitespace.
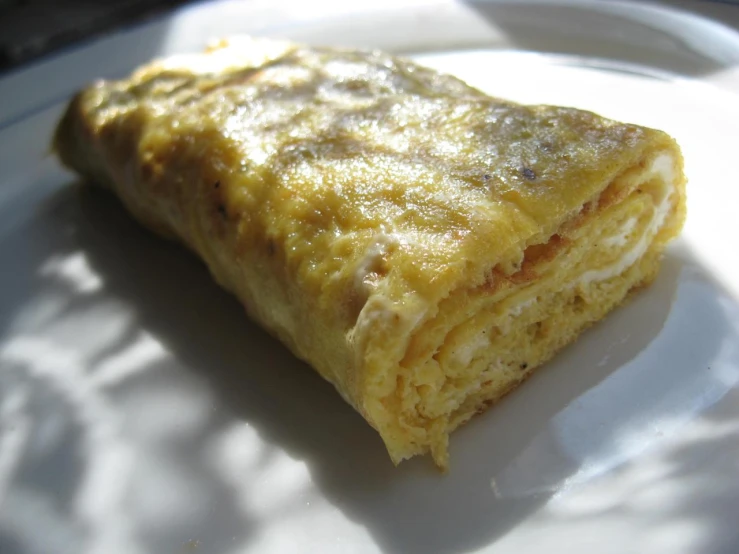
{"x":141,"y":412}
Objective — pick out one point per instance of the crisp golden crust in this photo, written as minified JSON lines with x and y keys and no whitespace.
{"x":359,"y":204}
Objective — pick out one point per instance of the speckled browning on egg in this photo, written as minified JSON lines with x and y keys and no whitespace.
{"x":348,"y":198}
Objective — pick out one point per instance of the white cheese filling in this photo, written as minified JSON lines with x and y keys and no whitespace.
{"x":662,"y":167}
{"x":379,"y":308}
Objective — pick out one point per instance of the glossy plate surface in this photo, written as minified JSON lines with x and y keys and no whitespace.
{"x":142,"y":412}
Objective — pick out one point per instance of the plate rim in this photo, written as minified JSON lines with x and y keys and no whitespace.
{"x":680,"y":18}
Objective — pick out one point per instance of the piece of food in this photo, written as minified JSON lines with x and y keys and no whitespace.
{"x":420,"y":244}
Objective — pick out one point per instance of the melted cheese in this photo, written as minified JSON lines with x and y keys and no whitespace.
{"x":661,"y":168}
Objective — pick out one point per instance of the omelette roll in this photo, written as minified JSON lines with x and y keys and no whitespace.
{"x":423,"y":246}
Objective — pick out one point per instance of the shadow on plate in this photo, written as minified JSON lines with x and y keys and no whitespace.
{"x":595,"y":31}
{"x":556,"y":431}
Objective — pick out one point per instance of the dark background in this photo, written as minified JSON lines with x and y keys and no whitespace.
{"x":30,"y":29}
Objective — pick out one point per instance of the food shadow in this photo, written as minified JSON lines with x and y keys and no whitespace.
{"x":407,"y":509}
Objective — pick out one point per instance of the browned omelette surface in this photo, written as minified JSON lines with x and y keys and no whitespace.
{"x":422,"y":245}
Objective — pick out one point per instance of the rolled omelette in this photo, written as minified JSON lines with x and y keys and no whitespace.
{"x":420,"y":244}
